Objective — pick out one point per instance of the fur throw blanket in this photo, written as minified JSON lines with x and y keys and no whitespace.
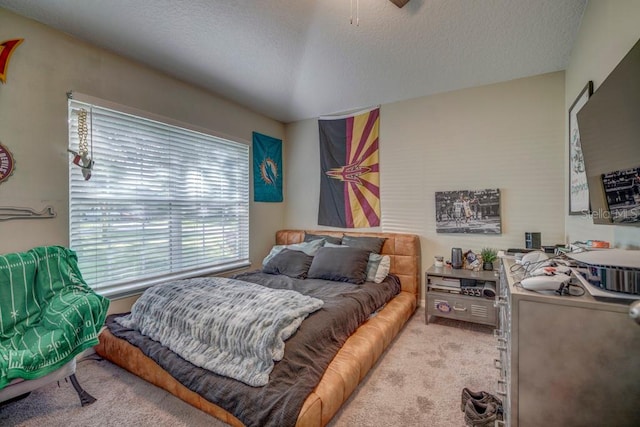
{"x":230,"y":327}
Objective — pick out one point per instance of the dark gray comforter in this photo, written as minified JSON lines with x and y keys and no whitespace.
{"x":307,"y":353}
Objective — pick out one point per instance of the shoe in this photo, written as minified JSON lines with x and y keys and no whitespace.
{"x":478,"y":414}
{"x":478,"y":396}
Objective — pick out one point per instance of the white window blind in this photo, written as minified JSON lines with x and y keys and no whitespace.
{"x":162,"y":202}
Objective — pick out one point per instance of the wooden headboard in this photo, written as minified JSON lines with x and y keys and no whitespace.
{"x":403,"y":249}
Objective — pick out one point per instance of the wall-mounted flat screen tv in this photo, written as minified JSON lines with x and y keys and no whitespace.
{"x":609,"y":126}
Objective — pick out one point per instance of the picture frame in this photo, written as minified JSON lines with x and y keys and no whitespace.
{"x":578,"y":188}
{"x":468,"y":211}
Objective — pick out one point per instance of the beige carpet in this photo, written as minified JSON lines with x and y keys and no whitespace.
{"x":417,"y":382}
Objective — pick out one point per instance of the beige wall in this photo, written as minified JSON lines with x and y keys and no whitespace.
{"x":609,"y":30}
{"x":508,"y":136}
{"x":33,"y":124}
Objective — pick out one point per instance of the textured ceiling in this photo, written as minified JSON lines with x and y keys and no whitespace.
{"x":297,"y":59}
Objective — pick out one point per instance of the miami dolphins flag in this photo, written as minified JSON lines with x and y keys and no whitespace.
{"x":267,"y":168}
{"x":349,"y":170}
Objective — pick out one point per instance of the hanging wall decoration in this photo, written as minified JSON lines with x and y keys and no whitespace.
{"x":6,"y":50}
{"x":578,"y":188}
{"x":7,"y":163}
{"x":468,"y":211}
{"x":82,"y":157}
{"x":350,"y":170}
{"x":267,"y":168}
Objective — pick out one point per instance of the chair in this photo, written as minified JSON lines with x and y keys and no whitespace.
{"x":48,"y":315}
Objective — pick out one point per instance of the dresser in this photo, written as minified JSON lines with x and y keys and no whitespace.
{"x":565,"y":360}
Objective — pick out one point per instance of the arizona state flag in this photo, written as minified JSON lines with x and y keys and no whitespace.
{"x":349,"y":171}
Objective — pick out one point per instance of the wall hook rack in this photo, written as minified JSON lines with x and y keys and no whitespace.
{"x":11,"y":212}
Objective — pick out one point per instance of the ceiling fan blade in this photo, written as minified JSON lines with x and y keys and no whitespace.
{"x":399,"y":3}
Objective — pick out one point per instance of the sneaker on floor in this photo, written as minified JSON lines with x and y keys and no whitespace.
{"x":478,"y":396}
{"x":478,"y":414}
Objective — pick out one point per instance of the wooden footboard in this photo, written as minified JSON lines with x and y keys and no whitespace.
{"x":350,"y":365}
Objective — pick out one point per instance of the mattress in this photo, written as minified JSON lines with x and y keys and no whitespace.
{"x":344,"y":372}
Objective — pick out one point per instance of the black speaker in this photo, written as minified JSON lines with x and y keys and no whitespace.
{"x":456,"y":257}
{"x":532,"y":240}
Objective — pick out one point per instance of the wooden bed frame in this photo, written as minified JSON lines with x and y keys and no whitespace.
{"x":350,"y":365}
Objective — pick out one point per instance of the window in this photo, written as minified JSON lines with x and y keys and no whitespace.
{"x":162,"y":202}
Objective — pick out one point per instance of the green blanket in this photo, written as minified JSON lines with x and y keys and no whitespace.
{"x":48,"y":314}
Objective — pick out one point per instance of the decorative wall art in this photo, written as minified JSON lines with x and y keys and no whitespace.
{"x":467,"y":211}
{"x":12,"y":212}
{"x":6,"y":50}
{"x":578,"y":188}
{"x":267,"y":168}
{"x":83,"y":158}
{"x":350,"y":170}
{"x":7,"y":163}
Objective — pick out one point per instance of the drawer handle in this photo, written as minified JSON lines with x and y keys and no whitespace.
{"x":459,"y":308}
{"x":502,"y":388}
{"x":497,"y":363}
{"x":500,"y":302}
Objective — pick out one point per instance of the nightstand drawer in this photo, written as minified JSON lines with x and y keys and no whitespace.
{"x":447,"y":306}
{"x":461,"y":307}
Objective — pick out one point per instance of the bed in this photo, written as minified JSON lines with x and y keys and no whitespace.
{"x":344,"y":371}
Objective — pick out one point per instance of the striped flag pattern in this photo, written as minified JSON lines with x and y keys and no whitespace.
{"x":350,"y":170}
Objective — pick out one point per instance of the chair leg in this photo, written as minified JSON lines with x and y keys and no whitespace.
{"x":85,"y":398}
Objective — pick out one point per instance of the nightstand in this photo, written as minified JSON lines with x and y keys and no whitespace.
{"x":461,"y":294}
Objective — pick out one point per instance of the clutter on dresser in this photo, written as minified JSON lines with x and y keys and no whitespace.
{"x":539,"y":272}
{"x":606,"y":274}
{"x":610,"y":274}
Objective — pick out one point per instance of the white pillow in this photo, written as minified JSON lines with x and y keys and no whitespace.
{"x":310,"y":248}
{"x":333,"y":245}
{"x":378,"y":267}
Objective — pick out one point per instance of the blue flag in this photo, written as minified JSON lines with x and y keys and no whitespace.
{"x":267,"y":168}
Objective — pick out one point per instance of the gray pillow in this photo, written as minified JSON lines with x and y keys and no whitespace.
{"x":309,"y":248}
{"x":308,"y":237}
{"x":340,"y":265}
{"x":371,"y":244}
{"x":290,"y":263}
